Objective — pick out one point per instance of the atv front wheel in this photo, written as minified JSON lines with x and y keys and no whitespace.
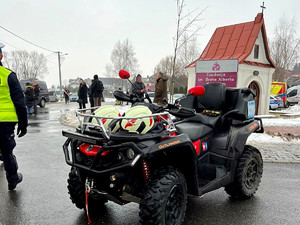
{"x":164,"y":199}
{"x":77,"y":193}
{"x":248,"y":174}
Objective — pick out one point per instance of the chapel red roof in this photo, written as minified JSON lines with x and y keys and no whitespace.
{"x":236,"y":42}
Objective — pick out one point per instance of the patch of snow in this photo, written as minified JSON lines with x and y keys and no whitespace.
{"x":110,"y":100}
{"x":281,"y":122}
{"x":264,"y":138}
{"x":292,"y":109}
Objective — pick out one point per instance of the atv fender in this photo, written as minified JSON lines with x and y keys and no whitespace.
{"x":239,"y":136}
{"x":178,"y":151}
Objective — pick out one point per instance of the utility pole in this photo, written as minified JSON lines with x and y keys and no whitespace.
{"x":59,"y":71}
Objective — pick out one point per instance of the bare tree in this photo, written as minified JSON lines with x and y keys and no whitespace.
{"x":296,"y":68}
{"x":26,"y":65}
{"x":122,"y":57}
{"x":284,"y":48}
{"x":187,"y":24}
{"x":189,"y":51}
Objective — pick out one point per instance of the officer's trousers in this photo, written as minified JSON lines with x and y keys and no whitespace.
{"x":7,"y":144}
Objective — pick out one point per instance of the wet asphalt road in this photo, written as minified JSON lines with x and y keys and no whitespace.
{"x":42,"y":197}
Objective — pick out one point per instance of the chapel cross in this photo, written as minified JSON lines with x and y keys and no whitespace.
{"x":263,"y":7}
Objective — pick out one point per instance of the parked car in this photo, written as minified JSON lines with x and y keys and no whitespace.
{"x":293,"y":95}
{"x":176,"y":96}
{"x":73,"y":97}
{"x":44,"y":95}
{"x":53,"y":96}
{"x":274,"y":102}
{"x":280,"y":102}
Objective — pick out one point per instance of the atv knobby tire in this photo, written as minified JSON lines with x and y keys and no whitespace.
{"x":248,"y":174}
{"x":77,"y":193}
{"x":164,"y":199}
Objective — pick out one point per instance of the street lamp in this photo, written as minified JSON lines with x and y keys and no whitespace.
{"x":59,"y":70}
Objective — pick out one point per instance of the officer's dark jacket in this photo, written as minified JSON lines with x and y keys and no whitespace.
{"x":17,"y":98}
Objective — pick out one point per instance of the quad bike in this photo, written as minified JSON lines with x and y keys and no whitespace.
{"x":156,"y":156}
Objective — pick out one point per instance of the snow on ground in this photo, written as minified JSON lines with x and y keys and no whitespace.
{"x":110,"y":99}
{"x":281,"y":122}
{"x":264,"y":138}
{"x":292,"y":109}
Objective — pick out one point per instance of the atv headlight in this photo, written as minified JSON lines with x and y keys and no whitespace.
{"x":130,"y":153}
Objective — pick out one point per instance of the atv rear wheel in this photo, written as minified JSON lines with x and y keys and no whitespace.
{"x":248,"y":174}
{"x":164,"y":199}
{"x":77,"y":193}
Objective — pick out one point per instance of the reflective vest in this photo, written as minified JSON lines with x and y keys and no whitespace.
{"x":7,"y":107}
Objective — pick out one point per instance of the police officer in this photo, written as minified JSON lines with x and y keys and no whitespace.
{"x":12,"y":112}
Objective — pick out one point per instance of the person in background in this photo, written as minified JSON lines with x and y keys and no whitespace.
{"x":91,"y":98}
{"x":12,"y":112}
{"x":36,"y":93}
{"x":29,"y":98}
{"x":97,"y":91}
{"x":66,"y":95}
{"x":161,"y":88}
{"x":138,"y":87}
{"x":82,"y":95}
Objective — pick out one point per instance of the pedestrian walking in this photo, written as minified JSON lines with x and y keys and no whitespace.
{"x":91,"y":98}
{"x":36,"y":93}
{"x":29,"y":98}
{"x":138,"y":87}
{"x":66,"y":95}
{"x":12,"y":112}
{"x":97,"y":91}
{"x":161,"y":88}
{"x":82,"y":95}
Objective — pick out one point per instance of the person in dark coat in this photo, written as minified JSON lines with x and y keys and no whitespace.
{"x":161,"y":88}
{"x":29,"y":98}
{"x":12,"y":112}
{"x":138,"y":87}
{"x":82,"y":95}
{"x":67,"y":95}
{"x":36,"y":93}
{"x":97,"y":90}
{"x":91,"y":98}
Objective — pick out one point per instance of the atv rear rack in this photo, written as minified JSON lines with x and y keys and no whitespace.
{"x":85,"y":118}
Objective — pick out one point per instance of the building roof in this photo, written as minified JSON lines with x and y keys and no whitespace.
{"x":236,"y":42}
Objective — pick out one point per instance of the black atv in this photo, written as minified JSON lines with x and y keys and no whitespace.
{"x":194,"y":146}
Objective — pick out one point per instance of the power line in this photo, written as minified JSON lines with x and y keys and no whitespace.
{"x":26,"y":40}
{"x":10,"y":45}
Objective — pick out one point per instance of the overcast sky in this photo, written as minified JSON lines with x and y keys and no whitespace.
{"x":88,"y":30}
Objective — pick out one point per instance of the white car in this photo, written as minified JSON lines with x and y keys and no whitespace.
{"x":274,"y":102}
{"x":293,"y":95}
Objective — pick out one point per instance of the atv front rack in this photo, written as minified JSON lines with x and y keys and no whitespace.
{"x":88,"y":122}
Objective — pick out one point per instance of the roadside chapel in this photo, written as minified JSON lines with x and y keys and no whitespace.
{"x":237,"y":55}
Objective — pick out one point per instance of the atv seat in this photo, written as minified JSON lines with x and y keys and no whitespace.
{"x":193,"y":130}
{"x":212,"y":100}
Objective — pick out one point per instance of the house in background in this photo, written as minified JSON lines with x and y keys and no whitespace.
{"x":237,"y":55}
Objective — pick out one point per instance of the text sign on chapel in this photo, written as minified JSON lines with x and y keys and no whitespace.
{"x":217,"y":71}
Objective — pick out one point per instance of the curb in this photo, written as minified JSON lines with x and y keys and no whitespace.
{"x":281,"y":161}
